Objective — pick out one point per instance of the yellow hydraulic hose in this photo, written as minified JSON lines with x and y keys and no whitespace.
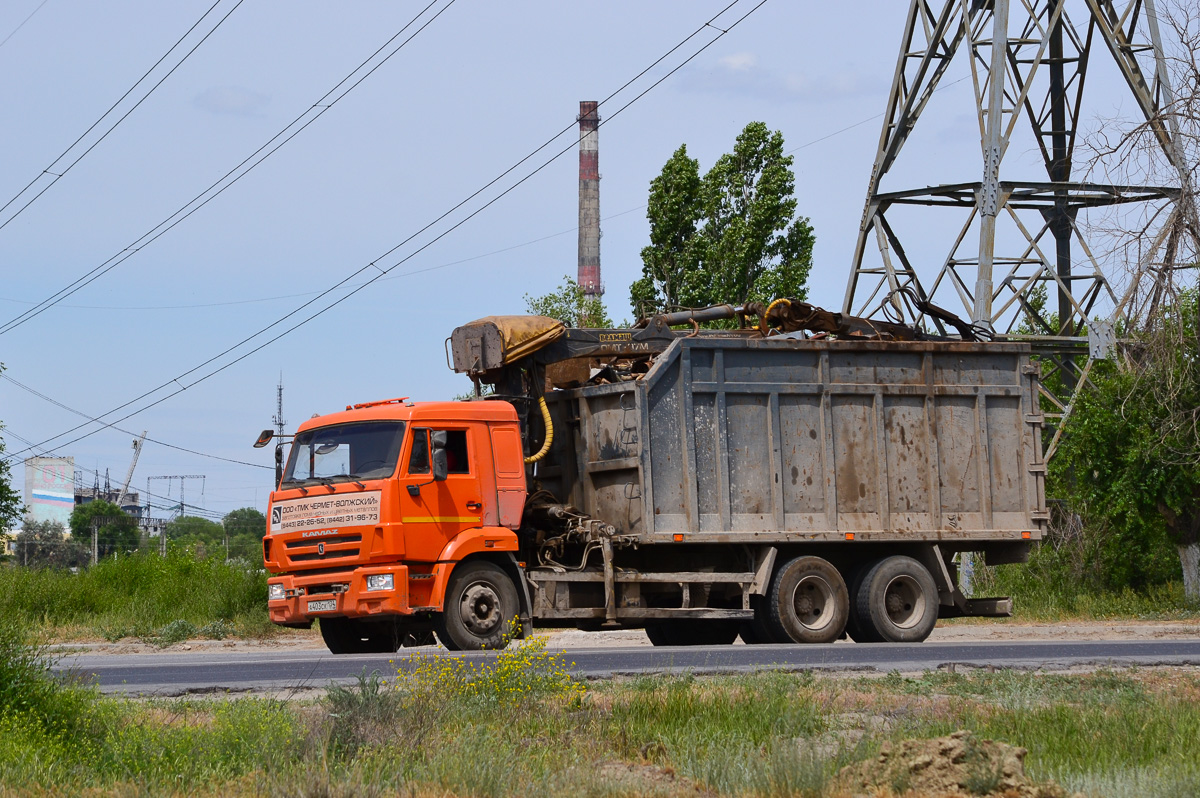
{"x":533,"y":458}
{"x":763,"y":327}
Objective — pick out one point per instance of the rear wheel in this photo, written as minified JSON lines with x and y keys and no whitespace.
{"x":896,"y":602}
{"x":856,"y":629}
{"x":352,"y":636}
{"x":693,"y":632}
{"x":808,"y":601}
{"x":480,"y":609}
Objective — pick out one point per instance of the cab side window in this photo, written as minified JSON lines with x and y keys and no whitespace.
{"x":418,"y":461}
{"x":456,"y":451}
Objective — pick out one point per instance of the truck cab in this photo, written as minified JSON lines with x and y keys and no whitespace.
{"x":377,"y":505}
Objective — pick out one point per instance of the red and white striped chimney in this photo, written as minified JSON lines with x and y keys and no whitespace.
{"x":589,"y":199}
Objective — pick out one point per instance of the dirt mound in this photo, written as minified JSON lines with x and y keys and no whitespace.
{"x":946,"y":767}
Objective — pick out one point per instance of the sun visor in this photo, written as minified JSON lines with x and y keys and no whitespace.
{"x":496,"y":341}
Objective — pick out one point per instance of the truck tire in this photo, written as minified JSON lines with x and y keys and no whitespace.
{"x":855,"y":627}
{"x":693,"y":632}
{"x":480,"y":609}
{"x":807,"y":601}
{"x":896,"y":602}
{"x":351,"y":636}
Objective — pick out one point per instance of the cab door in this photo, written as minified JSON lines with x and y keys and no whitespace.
{"x":434,"y":512}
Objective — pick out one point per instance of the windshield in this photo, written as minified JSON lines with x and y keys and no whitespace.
{"x":366,"y":450}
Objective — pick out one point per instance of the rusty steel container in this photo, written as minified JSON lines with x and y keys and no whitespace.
{"x":793,"y":440}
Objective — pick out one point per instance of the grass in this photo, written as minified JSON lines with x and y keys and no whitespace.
{"x":1043,"y":591}
{"x":156,"y":599}
{"x":520,"y":724}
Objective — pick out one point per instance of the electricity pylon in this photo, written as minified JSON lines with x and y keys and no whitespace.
{"x":1028,"y":64}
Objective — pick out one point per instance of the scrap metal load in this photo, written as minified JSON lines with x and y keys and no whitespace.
{"x":493,"y":350}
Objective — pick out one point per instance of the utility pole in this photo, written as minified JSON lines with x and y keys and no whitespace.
{"x":280,"y":425}
{"x":277,"y":419}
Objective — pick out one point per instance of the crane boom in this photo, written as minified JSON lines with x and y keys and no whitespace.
{"x":137,"y":450}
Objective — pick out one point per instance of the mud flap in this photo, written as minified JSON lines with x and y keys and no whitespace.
{"x":953,"y":604}
{"x":513,"y":568}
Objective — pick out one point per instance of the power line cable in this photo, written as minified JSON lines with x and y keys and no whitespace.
{"x":314,"y":112}
{"x":721,"y":32}
{"x":806,"y":145}
{"x":81,"y":414}
{"x":56,"y":176}
{"x":31,"y":14}
{"x":96,"y":473}
{"x":461,"y":261}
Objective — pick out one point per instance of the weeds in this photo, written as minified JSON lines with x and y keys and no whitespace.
{"x":516,"y":723}
{"x":519,"y":672}
{"x":143,"y":596}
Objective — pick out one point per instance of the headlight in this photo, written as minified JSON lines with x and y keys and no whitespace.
{"x":380,"y":582}
{"x":275,"y":592}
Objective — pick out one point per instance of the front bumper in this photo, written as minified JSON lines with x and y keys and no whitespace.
{"x":347,"y":591}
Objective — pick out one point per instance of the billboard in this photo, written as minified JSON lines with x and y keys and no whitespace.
{"x":50,"y":488}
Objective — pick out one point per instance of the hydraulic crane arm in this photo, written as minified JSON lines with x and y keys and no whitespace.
{"x":137,"y":450}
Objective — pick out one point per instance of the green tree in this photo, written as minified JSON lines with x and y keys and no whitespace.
{"x":675,"y":210}
{"x":245,"y":528}
{"x":245,"y":522}
{"x":11,"y":506}
{"x":570,"y":305}
{"x":118,"y":533}
{"x":1130,"y":455}
{"x":731,"y":236}
{"x":191,"y":530}
{"x":44,"y":544}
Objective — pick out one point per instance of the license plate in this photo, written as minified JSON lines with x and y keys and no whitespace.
{"x":326,"y":605}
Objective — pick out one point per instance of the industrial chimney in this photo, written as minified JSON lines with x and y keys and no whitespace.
{"x":589,"y":199}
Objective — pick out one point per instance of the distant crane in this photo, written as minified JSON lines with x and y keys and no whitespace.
{"x":137,"y":450}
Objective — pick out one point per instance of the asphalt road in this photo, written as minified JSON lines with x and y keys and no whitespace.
{"x":178,"y":673}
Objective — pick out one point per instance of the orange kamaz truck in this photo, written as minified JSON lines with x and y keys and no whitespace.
{"x":794,"y":479}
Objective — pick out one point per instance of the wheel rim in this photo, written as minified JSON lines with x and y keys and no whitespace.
{"x":904,"y":602}
{"x":813,"y":603}
{"x":480,"y":609}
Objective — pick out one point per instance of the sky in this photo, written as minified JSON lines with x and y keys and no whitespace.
{"x":472,"y":94}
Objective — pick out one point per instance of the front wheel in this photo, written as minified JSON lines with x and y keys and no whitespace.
{"x":480,"y":610}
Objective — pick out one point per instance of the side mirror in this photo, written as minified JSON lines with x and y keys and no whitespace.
{"x":264,"y":438}
{"x":441,"y":467}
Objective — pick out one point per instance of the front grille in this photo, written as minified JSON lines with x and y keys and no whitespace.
{"x":295,"y":544}
{"x":328,"y":555}
{"x":332,"y":589}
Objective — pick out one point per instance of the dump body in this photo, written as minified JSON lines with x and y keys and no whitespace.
{"x":781,"y":440}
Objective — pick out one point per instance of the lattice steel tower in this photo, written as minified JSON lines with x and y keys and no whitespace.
{"x":1028,"y":64}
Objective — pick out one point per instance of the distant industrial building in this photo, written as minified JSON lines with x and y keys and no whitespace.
{"x":111,"y":495}
{"x":49,"y":488}
{"x":53,"y":489}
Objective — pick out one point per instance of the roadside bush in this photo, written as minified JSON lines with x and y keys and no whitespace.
{"x":138,"y":595}
{"x":1083,"y":567}
{"x":430,"y":689}
{"x":30,"y":694}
